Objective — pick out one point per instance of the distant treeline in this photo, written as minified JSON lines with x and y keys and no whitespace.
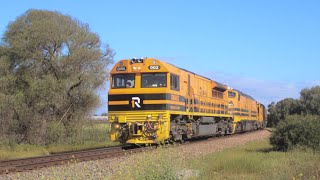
{"x":308,"y":104}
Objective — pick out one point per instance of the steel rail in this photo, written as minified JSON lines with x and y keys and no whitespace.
{"x":25,"y":164}
{"x":19,"y":165}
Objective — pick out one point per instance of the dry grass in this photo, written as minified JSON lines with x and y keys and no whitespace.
{"x":256,"y":160}
{"x":163,"y":163}
{"x":93,"y":136}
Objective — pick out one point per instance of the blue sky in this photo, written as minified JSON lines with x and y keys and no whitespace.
{"x":268,"y":49}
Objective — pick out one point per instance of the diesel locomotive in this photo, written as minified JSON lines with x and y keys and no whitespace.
{"x":151,"y":101}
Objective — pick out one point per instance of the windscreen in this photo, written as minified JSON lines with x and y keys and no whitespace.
{"x":153,"y":80}
{"x":123,"y":81}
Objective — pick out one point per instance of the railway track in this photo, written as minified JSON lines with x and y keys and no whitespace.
{"x":26,"y":164}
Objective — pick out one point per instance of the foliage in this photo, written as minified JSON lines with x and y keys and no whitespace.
{"x":297,"y":131}
{"x":162,"y":163}
{"x":273,"y":116}
{"x":310,"y":99}
{"x":297,"y":121}
{"x":279,"y":111}
{"x":50,"y":68}
{"x":91,"y":136}
{"x":256,"y":160}
{"x":104,"y":114}
{"x":309,"y":103}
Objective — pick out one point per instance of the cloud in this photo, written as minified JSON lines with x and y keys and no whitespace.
{"x":313,"y":83}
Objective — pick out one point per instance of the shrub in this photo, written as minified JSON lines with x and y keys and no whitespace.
{"x":297,"y":131}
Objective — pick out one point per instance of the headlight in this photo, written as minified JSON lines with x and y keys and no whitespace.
{"x":116,"y":126}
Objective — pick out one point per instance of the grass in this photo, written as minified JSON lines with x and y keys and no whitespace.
{"x":93,"y":136}
{"x":256,"y":160}
{"x":162,"y":163}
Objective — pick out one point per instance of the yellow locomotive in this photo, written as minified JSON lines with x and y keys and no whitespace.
{"x":151,"y":101}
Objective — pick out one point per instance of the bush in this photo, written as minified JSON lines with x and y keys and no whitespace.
{"x":297,"y":131}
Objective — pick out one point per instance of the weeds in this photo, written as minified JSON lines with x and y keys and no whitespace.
{"x":91,"y":136}
{"x":257,"y":160}
{"x":163,"y":163}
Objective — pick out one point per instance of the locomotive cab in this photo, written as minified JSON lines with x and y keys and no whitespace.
{"x":137,"y":101}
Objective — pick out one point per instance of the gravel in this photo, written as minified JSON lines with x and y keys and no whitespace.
{"x":219,"y":144}
{"x":105,"y":168}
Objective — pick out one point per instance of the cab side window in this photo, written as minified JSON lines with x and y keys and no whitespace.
{"x":231,"y":94}
{"x":217,"y":94}
{"x":174,"y":82}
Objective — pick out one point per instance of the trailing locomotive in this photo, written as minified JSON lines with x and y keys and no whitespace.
{"x":151,"y":101}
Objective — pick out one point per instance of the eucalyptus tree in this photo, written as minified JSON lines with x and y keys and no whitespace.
{"x":50,"y":68}
{"x":310,"y":99}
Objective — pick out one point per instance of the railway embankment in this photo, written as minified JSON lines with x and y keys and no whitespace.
{"x":170,"y":161}
{"x":244,"y":156}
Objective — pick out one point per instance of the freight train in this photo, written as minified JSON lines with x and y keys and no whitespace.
{"x":151,"y":101}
